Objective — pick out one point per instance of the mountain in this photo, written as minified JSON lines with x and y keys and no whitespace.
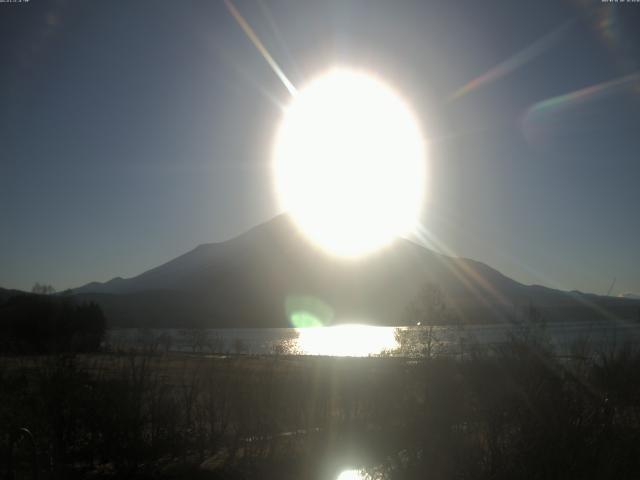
{"x":5,"y":294}
{"x":247,"y":281}
{"x":633,"y":296}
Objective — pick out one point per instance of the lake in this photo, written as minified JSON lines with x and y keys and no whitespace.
{"x":363,"y":340}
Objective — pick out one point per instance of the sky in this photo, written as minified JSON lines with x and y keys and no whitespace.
{"x":131,"y":132}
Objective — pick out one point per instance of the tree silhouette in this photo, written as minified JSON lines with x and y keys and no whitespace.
{"x":426,"y":310}
{"x":429,"y":307}
{"x":42,"y":289}
{"x":36,"y":323}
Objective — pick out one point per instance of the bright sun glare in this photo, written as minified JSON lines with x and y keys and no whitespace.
{"x":350,"y":475}
{"x":349,"y":163}
{"x":346,"y":340}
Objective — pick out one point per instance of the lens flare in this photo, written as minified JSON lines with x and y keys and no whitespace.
{"x":538,"y":119}
{"x":583,"y":95}
{"x":307,"y":311}
{"x":513,"y":63}
{"x":607,"y":21}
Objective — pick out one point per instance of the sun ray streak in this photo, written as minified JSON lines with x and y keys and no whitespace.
{"x":247,"y":77}
{"x":540,"y":120}
{"x":475,"y":283}
{"x":470,"y":279}
{"x":584,"y":95}
{"x":260,"y":46}
{"x":513,"y":63}
{"x":271,"y":21}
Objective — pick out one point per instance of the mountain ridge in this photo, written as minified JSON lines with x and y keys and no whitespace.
{"x":246,"y":282}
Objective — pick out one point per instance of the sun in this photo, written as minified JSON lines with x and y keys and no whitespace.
{"x":349,"y":163}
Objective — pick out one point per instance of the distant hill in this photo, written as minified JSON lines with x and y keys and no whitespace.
{"x":633,"y":296}
{"x":5,"y":294}
{"x":245,"y":282}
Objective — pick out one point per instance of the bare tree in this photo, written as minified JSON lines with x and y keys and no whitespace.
{"x":42,"y":289}
{"x":428,"y":309}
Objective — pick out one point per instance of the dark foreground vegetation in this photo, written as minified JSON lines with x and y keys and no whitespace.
{"x":517,"y":412}
{"x":36,"y":323}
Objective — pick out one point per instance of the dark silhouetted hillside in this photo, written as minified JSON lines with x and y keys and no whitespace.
{"x":32,"y":323}
{"x":244,"y":282}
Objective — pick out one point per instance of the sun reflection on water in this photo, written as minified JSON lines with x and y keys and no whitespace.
{"x":346,"y":340}
{"x":351,"y":475}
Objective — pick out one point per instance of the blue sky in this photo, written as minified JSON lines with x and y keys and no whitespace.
{"x":130,"y":132}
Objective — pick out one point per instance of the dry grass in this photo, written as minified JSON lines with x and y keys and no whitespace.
{"x":518,"y":413}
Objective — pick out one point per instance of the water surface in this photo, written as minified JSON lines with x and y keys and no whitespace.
{"x":362,"y":340}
